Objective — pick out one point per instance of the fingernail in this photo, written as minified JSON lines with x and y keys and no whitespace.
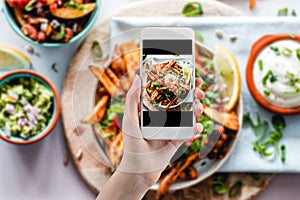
{"x":198,"y":128}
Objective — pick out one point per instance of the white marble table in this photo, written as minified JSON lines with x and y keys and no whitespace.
{"x":36,"y":172}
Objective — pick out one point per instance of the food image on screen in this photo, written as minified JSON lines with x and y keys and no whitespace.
{"x":168,"y":83}
{"x":167,"y":80}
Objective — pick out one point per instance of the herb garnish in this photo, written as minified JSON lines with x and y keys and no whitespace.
{"x":293,"y":81}
{"x":267,"y":93}
{"x":286,"y":52}
{"x":269,"y":75}
{"x":208,"y":124}
{"x":61,"y":34}
{"x":108,"y":135}
{"x":235,"y":189}
{"x":199,"y":36}
{"x":282,"y":148}
{"x":97,"y":50}
{"x":260,"y":64}
{"x":192,"y":8}
{"x":74,"y":5}
{"x":292,"y":36}
{"x":218,"y":184}
{"x":298,"y":53}
{"x":276,"y":50}
{"x":208,"y":64}
{"x":294,"y":13}
{"x":283,"y":12}
{"x":29,"y":6}
{"x":265,"y":142}
{"x":278,"y":122}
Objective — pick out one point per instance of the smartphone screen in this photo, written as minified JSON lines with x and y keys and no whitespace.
{"x":167,"y":72}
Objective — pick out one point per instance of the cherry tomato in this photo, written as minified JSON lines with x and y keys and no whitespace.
{"x":114,"y":122}
{"x":53,"y":7}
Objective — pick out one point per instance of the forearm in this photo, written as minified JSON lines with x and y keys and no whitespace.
{"x":124,"y":186}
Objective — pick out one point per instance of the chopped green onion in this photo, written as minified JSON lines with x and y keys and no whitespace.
{"x":235,"y":189}
{"x":276,"y":50}
{"x":247,"y":118}
{"x":218,"y":184}
{"x":291,"y":92}
{"x":294,"y":13}
{"x":199,"y":36}
{"x":192,"y":8}
{"x":61,"y":34}
{"x":268,"y":75}
{"x":275,"y":135}
{"x":282,"y":148}
{"x":260,"y":64}
{"x":298,"y":53}
{"x":267,"y":93}
{"x":219,"y":187}
{"x":29,"y":6}
{"x":292,"y":36}
{"x":278,"y":122}
{"x":283,"y":12}
{"x":286,"y":52}
{"x":290,"y":75}
{"x":260,"y":129}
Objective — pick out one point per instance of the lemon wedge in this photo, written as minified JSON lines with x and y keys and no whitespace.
{"x":228,"y":67}
{"x":72,"y":13}
{"x":13,"y":59}
{"x":187,"y":73}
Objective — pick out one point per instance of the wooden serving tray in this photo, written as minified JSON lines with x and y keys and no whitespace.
{"x":93,"y":172}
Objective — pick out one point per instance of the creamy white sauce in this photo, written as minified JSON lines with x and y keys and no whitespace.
{"x":281,"y":92}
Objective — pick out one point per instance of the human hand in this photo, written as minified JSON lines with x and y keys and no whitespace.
{"x":148,"y":158}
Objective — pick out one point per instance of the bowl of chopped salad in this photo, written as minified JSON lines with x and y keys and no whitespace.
{"x":51,"y":23}
{"x":29,"y":107}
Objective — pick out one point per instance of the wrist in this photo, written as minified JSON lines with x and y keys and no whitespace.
{"x":138,"y":181}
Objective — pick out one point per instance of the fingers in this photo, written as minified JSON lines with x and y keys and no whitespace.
{"x":198,"y":82}
{"x":198,"y":128}
{"x":199,"y":94}
{"x":198,"y":108}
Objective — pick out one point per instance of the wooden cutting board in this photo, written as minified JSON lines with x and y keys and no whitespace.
{"x":78,"y":137}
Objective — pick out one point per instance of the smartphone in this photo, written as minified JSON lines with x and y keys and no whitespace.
{"x":168,"y":80}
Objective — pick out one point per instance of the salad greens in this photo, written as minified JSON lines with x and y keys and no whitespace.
{"x":25,"y":107}
{"x":116,"y":107}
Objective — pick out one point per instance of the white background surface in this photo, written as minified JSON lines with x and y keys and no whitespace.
{"x":36,"y":172}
